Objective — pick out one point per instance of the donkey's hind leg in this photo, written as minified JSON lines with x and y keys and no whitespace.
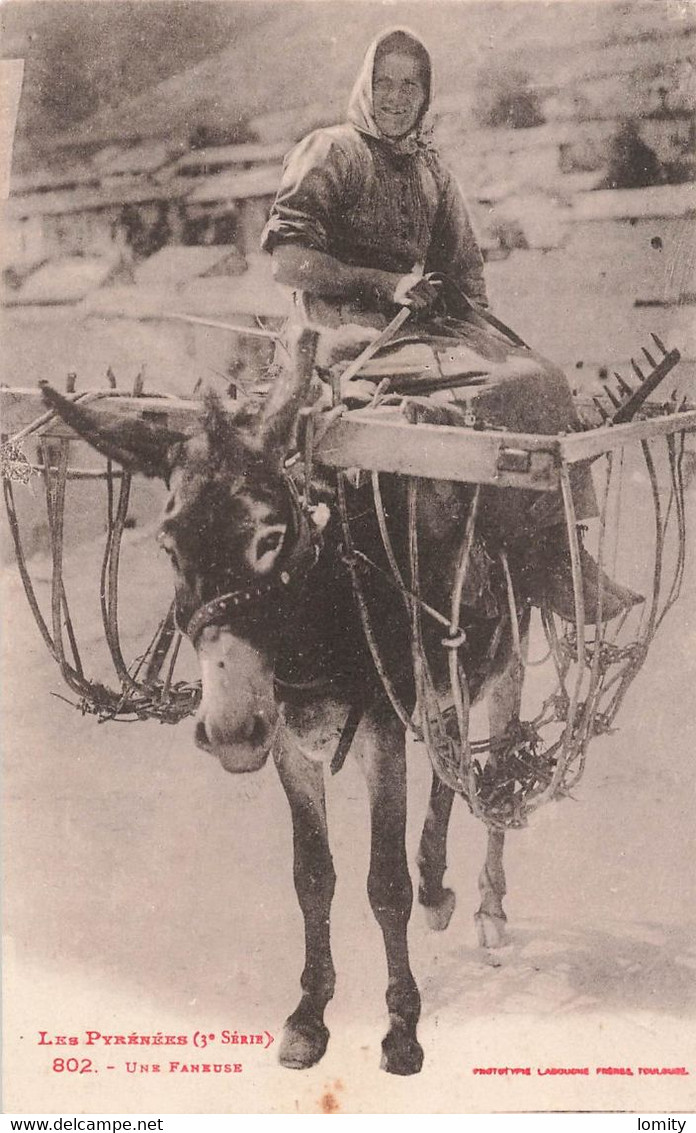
{"x":389,"y":884}
{"x":305,"y":1035}
{"x":490,"y":918}
{"x":503,"y":705}
{"x":437,"y":901}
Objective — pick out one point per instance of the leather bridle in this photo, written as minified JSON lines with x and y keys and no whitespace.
{"x":304,"y":540}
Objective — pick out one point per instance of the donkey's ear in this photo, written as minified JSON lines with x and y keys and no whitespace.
{"x":136,"y":444}
{"x":288,"y":396}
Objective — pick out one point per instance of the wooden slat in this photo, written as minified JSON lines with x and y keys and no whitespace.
{"x":440,"y":452}
{"x":583,"y":446}
{"x":360,"y":440}
{"x":376,"y":441}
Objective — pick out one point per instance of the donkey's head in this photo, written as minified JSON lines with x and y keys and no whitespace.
{"x":236,"y":537}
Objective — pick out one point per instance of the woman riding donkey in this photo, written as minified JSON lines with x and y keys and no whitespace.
{"x":367,"y":221}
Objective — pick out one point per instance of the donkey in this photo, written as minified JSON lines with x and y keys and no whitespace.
{"x":263,"y":592}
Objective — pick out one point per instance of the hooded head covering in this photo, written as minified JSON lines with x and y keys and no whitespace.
{"x":361,"y":112}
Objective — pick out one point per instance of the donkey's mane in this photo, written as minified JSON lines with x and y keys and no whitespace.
{"x":233,"y":441}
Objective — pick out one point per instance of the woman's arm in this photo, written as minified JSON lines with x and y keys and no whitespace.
{"x":306,"y":269}
{"x":455,"y":250}
{"x":319,"y":273}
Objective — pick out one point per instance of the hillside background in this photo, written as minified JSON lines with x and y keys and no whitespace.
{"x":100,"y":70}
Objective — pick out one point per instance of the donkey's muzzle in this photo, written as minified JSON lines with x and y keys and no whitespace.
{"x":237,"y":714}
{"x":247,"y":752}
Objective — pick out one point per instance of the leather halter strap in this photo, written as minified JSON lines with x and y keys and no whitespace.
{"x":222,"y":610}
{"x":304,"y":552}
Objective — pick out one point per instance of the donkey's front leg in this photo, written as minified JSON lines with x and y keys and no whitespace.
{"x":437,"y":901}
{"x":389,"y":884}
{"x":305,"y":1035}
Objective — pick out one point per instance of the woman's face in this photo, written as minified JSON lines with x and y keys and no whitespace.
{"x":398,"y":94}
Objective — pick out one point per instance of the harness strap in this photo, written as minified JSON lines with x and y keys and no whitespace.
{"x":350,"y":560}
{"x":220,"y":611}
{"x":350,"y":727}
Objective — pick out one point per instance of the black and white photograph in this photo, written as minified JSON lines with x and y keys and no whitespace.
{"x":348,"y":413}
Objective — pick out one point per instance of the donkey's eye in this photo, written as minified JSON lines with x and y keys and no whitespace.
{"x":270,"y":542}
{"x":264,"y":548}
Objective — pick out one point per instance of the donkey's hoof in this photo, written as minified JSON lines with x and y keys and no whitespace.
{"x":491,"y":929}
{"x":303,"y":1044}
{"x":401,"y":1053}
{"x":438,"y":916}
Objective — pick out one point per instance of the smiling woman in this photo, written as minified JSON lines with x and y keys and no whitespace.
{"x":401,"y":83}
{"x":366,"y":214}
{"x":399,"y":94}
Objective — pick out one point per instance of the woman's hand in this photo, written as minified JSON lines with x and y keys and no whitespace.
{"x":419,"y":292}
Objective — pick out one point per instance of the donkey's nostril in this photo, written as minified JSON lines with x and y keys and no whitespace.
{"x":259,"y":730}
{"x":201,"y":736}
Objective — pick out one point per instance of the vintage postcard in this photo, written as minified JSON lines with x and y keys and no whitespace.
{"x":463,"y":232}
